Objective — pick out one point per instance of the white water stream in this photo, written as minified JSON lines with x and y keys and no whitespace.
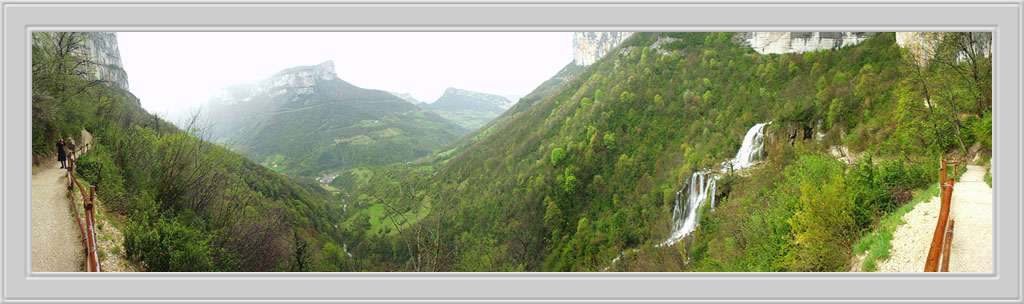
{"x":751,"y":152}
{"x":700,"y":189}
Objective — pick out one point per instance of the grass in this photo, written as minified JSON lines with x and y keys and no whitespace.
{"x":988,"y":174}
{"x":380,"y":223}
{"x":878,"y":242}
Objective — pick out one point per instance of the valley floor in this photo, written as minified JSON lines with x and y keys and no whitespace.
{"x":971,"y":208}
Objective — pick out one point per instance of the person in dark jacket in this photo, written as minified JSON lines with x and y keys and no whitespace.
{"x":61,"y":155}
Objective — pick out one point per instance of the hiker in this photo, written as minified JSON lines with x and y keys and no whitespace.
{"x":71,"y":148}
{"x":61,"y":155}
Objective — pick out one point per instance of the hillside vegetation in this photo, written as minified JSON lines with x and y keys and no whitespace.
{"x":589,"y":172}
{"x":328,"y":126}
{"x":185,"y":203}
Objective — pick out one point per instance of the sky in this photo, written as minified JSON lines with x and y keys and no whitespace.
{"x":173,"y":71}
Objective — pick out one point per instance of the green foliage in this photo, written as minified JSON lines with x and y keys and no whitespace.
{"x":98,"y":168}
{"x":168,"y":245}
{"x":822,"y":227}
{"x":609,"y":141}
{"x":988,"y":174}
{"x":557,"y":155}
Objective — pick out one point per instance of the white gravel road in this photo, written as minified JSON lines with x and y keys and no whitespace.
{"x":971,"y":208}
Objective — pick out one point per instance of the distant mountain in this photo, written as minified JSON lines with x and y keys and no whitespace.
{"x":457,"y":100}
{"x":468,"y":108}
{"x":305,"y":121}
{"x":408,"y":97}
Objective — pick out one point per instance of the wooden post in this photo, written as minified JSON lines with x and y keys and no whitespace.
{"x":946,"y":247}
{"x":942,"y":170}
{"x":932,"y":262}
{"x":78,"y":217}
{"x":91,"y":216}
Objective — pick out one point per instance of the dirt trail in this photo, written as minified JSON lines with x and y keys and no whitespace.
{"x":970,"y":207}
{"x":56,"y":239}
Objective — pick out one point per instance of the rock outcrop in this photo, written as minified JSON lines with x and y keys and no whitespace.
{"x":588,"y":47}
{"x":408,"y":97}
{"x":300,"y":80}
{"x":924,"y":44}
{"x":102,"y":51}
{"x":99,"y":49}
{"x":799,"y":42}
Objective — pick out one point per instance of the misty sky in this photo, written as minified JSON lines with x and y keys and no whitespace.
{"x":170,"y":71}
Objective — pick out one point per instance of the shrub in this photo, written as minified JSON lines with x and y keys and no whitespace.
{"x":168,"y":245}
{"x":823,"y":227}
{"x":98,"y":168}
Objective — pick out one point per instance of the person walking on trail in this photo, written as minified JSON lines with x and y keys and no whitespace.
{"x":71,"y":148}
{"x":61,"y":155}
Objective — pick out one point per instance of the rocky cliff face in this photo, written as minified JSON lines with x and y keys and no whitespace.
{"x":799,"y":42}
{"x":102,"y":50}
{"x":301,"y":80}
{"x":588,"y":47}
{"x":923,"y":44}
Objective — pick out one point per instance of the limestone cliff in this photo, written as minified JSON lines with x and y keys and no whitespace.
{"x":102,"y":51}
{"x":588,"y":47}
{"x":99,"y":49}
{"x":923,"y":44}
{"x":799,"y":42}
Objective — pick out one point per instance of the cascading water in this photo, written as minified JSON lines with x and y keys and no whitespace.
{"x":750,"y":152}
{"x":700,"y":189}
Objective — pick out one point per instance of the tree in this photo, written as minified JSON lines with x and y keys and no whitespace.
{"x":59,"y":64}
{"x":557,"y":155}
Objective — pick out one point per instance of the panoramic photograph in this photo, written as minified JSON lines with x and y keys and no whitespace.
{"x":511,"y":152}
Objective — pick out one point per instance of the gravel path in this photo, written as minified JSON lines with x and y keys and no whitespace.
{"x":910,"y":241}
{"x":971,"y":208}
{"x":56,"y":240}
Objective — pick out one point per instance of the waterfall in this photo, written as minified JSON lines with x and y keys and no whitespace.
{"x":697,"y":191}
{"x":750,"y":152}
{"x":700,"y":188}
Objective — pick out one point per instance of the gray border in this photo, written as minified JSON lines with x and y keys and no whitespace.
{"x":1001,"y":17}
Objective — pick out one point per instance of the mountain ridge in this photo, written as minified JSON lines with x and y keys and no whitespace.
{"x":319,"y":122}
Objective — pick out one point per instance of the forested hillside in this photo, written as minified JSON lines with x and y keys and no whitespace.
{"x":588,"y":174}
{"x":185,"y":204}
{"x":305,"y":121}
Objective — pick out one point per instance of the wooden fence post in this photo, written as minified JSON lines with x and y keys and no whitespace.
{"x":946,"y":247}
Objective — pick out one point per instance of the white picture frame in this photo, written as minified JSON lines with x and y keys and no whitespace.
{"x":20,"y":285}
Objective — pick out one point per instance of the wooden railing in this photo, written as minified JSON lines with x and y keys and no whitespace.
{"x":88,"y":229}
{"x":938,"y":253}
